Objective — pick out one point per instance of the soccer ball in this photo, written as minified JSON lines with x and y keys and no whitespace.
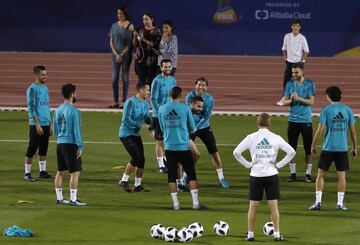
{"x":157,"y":231}
{"x":268,"y":228}
{"x":221,"y":228}
{"x":170,"y":234}
{"x":184,"y":235}
{"x":197,"y":229}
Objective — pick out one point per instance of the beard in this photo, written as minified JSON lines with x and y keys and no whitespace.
{"x":167,"y":72}
{"x":74,"y":100}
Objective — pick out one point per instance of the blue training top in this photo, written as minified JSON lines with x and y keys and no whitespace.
{"x":337,"y":118}
{"x":67,"y":125}
{"x":299,"y":112}
{"x":202,"y":120}
{"x":38,"y":103}
{"x":176,"y":122}
{"x":160,"y":89}
{"x":135,"y":114}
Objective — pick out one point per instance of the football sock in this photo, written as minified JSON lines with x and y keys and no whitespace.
{"x":160,"y":161}
{"x":73,"y":195}
{"x":308,"y":168}
{"x":220,"y":173}
{"x":276,"y":233}
{"x":292,"y":168}
{"x":59,"y":194}
{"x":195,"y":196}
{"x":341,"y":196}
{"x":174,"y":199}
{"x":318,"y":196}
{"x":42,"y":166}
{"x":125,"y":178}
{"x":27,"y":168}
{"x":137,"y":182}
{"x":250,"y":234}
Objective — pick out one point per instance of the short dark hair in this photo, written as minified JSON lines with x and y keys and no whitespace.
{"x":175,"y":93}
{"x":263,"y":120}
{"x":298,"y":65}
{"x":125,"y":11}
{"x":203,"y":79}
{"x":151,"y":15}
{"x":196,"y":99}
{"x":67,"y":90}
{"x":140,"y":85}
{"x":334,"y":93}
{"x":165,"y":61}
{"x":168,"y":22}
{"x":295,"y":22}
{"x":38,"y":69}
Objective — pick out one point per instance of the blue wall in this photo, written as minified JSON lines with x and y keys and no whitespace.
{"x":83,"y":25}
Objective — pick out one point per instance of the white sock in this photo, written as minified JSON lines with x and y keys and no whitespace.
{"x":59,"y":194}
{"x":125,"y":178}
{"x":73,"y":195}
{"x":318,"y":196}
{"x":250,"y":234}
{"x":160,"y":161}
{"x":137,"y":182}
{"x":276,"y":233}
{"x":174,"y":199}
{"x":341,"y":196}
{"x":27,"y":168}
{"x":42,"y":165}
{"x":308,"y":168}
{"x":292,"y":168}
{"x":220,"y":173}
{"x":195,"y":197}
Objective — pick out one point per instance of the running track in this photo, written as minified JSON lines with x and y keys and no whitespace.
{"x":238,"y":83}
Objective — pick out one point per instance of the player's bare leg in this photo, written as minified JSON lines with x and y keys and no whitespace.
{"x":319,"y":189}
{"x":58,"y":188}
{"x":74,"y":182}
{"x":253,"y":205}
{"x":159,"y":152}
{"x":275,"y":217}
{"x":341,"y":187}
{"x":124,"y":182}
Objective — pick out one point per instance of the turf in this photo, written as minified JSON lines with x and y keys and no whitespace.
{"x":116,"y":217}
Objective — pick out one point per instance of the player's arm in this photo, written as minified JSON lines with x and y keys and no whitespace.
{"x":305,"y":51}
{"x":31,"y":103}
{"x":77,"y":133}
{"x":284,"y":49}
{"x":154,"y":95}
{"x":309,"y":101}
{"x":190,"y":121}
{"x":188,"y":99}
{"x":354,"y":141}
{"x":317,"y":136}
{"x":55,"y":126}
{"x":243,"y":146}
{"x":290,"y":153}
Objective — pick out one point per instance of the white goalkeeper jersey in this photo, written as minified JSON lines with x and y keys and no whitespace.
{"x":263,"y":146}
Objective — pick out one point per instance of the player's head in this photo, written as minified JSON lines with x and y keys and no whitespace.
{"x":123,"y":14}
{"x":166,"y":67}
{"x":40,"y":73}
{"x":297,"y":71}
{"x":69,"y":92}
{"x":295,"y":25}
{"x":263,"y":120}
{"x":148,"y":19}
{"x":197,"y":105}
{"x":333,"y":94}
{"x":167,"y":27}
{"x":143,"y":90}
{"x":175,"y":93}
{"x":201,"y":85}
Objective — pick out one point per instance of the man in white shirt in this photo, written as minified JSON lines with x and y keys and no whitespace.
{"x":264,"y":146}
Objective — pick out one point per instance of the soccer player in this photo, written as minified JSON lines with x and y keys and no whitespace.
{"x":264,"y":146}
{"x":159,"y":96}
{"x":67,"y":129}
{"x":203,"y":129}
{"x":299,"y":95}
{"x":176,"y":123}
{"x":38,"y":103}
{"x":335,"y":119}
{"x":136,"y":113}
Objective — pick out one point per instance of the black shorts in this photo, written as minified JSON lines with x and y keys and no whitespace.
{"x":66,"y":158}
{"x":135,"y":148}
{"x":36,"y":141}
{"x":259,"y":184}
{"x":306,"y":131}
{"x":340,"y":158}
{"x":207,"y":137}
{"x":158,"y":133}
{"x":173,"y":158}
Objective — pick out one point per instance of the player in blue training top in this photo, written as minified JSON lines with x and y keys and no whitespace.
{"x":176,"y":122}
{"x":160,"y":88}
{"x":299,"y":94}
{"x":38,"y":103}
{"x":135,"y":115}
{"x":203,"y":129}
{"x":335,"y":119}
{"x":67,"y":129}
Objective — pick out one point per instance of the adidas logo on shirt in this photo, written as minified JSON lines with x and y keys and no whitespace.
{"x":339,"y":118}
{"x":172,"y":115}
{"x":263,"y":144}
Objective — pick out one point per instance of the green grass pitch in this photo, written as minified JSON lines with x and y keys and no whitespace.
{"x":116,"y":217}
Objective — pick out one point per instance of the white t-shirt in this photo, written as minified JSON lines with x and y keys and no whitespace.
{"x":264,"y":146}
{"x":295,"y":46}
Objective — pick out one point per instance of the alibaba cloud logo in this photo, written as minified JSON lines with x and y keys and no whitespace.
{"x":261,"y":14}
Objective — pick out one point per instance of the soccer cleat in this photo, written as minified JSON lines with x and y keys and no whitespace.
{"x":308,"y":178}
{"x":224,"y":184}
{"x":163,"y":170}
{"x":45,"y":175}
{"x":140,"y":188}
{"x":77,"y":203}
{"x":315,"y":206}
{"x":291,"y":178}
{"x":125,"y":186}
{"x":279,"y":238}
{"x":200,"y":207}
{"x":249,"y":239}
{"x":62,"y":202}
{"x":341,"y":208}
{"x":28,"y":178}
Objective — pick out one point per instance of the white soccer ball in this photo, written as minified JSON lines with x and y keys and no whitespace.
{"x":157,"y":231}
{"x":221,"y":228}
{"x":170,"y":234}
{"x":184,"y":235}
{"x":197,"y":229}
{"x":268,"y":228}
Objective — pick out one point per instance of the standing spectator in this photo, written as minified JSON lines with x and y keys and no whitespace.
{"x":168,"y":46}
{"x":121,"y":34}
{"x":146,"y":42}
